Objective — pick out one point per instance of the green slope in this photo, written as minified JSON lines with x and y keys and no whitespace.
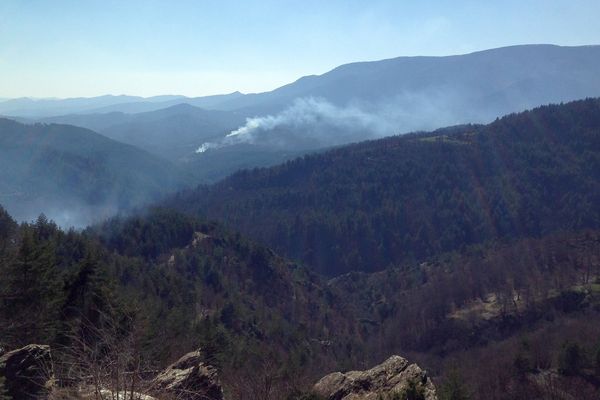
{"x":365,"y":206}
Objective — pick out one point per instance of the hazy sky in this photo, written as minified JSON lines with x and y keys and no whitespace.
{"x":66,"y":48}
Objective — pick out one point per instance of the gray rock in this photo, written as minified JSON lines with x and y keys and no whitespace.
{"x":190,"y":378}
{"x":27,"y":371}
{"x":391,"y":377}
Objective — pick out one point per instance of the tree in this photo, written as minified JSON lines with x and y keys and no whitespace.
{"x":454,"y":387}
{"x":571,"y":359}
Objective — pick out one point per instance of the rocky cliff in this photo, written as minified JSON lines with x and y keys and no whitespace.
{"x":394,"y":379}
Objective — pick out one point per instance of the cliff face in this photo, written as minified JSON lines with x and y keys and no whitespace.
{"x":394,"y":377}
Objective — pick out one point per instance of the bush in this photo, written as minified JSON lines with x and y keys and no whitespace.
{"x":412,"y":392}
{"x":571,"y":359}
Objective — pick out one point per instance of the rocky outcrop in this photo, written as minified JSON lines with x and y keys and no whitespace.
{"x":190,"y":378}
{"x":393,"y":377}
{"x":27,"y":371}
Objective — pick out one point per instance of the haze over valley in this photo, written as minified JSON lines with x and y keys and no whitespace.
{"x":208,"y":138}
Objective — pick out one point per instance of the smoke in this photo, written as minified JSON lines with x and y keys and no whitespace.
{"x":66,"y":213}
{"x":308,"y":122}
{"x":315,"y":122}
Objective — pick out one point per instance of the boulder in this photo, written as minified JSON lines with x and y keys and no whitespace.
{"x":190,"y":378}
{"x":27,"y":371}
{"x":393,"y":377}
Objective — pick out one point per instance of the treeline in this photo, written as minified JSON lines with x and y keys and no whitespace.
{"x":375,"y":204}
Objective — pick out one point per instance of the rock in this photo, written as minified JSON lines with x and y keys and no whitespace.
{"x":27,"y":371}
{"x":87,"y":392}
{"x":394,"y":376}
{"x":190,"y":378}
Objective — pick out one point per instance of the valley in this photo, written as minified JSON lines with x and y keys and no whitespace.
{"x":299,"y":201}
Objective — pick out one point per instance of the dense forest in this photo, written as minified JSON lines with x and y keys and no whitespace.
{"x":168,"y":284}
{"x":499,"y":297}
{"x":162,"y":284}
{"x":374,"y":204}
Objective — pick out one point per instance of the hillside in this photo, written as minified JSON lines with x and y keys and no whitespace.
{"x":156,"y":286}
{"x":173,"y":133}
{"x":369,"y":205}
{"x":516,"y":307}
{"x":165,"y":284}
{"x":76,"y":176}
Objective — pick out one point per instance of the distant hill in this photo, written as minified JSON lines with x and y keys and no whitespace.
{"x":173,"y":133}
{"x":74,"y":175}
{"x":41,"y":108}
{"x":206,"y":102}
{"x":38,"y":108}
{"x":365,"y":206}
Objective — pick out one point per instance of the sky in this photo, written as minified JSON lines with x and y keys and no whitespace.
{"x":82,"y":48}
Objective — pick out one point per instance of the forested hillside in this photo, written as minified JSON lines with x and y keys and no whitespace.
{"x":373,"y":204}
{"x":76,"y":176}
{"x":497,"y":320}
{"x":162,"y":285}
{"x":152,"y":287}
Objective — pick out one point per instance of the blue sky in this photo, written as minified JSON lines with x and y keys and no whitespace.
{"x":67,"y":48}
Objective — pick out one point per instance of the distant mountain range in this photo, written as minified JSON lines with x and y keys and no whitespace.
{"x":37,"y":108}
{"x":213,"y":136}
{"x":480,"y":85}
{"x":40,"y":108}
{"x":351,"y":103}
{"x":143,"y":105}
{"x":477,"y":86}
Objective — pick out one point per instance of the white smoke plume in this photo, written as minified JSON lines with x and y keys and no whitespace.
{"x":313,"y":123}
